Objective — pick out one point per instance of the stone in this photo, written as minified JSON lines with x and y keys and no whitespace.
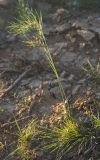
{"x":61,"y":45}
{"x":24,"y":93}
{"x":71,"y":77}
{"x":62,"y":28}
{"x":80,"y":24}
{"x":60,"y":14}
{"x":31,"y":55}
{"x":82,"y":45}
{"x":75,"y":90}
{"x":56,"y":28}
{"x":81,"y":81}
{"x":35,"y":83}
{"x":81,"y":61}
{"x":45,"y":110}
{"x":97,"y":95}
{"x":11,"y":38}
{"x":10,"y":107}
{"x":67,"y":57}
{"x":26,"y":81}
{"x":87,"y":35}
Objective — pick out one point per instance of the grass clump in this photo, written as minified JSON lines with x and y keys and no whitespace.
{"x":1,"y":145}
{"x":70,"y":135}
{"x":60,"y":138}
{"x":97,"y":122}
{"x":25,"y":138}
{"x":93,"y":71}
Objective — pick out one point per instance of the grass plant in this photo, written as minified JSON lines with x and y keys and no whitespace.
{"x":93,"y":70}
{"x":1,"y":145}
{"x":60,"y":139}
{"x":68,"y":135}
{"x":25,"y":138}
{"x":30,"y":25}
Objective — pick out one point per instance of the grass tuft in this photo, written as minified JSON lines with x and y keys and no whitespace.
{"x":60,"y":139}
{"x":93,"y":70}
{"x":25,"y":138}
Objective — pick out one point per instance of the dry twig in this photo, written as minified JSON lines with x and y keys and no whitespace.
{"x":13,"y":85}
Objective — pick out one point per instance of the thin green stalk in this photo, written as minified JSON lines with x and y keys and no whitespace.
{"x":50,"y":60}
